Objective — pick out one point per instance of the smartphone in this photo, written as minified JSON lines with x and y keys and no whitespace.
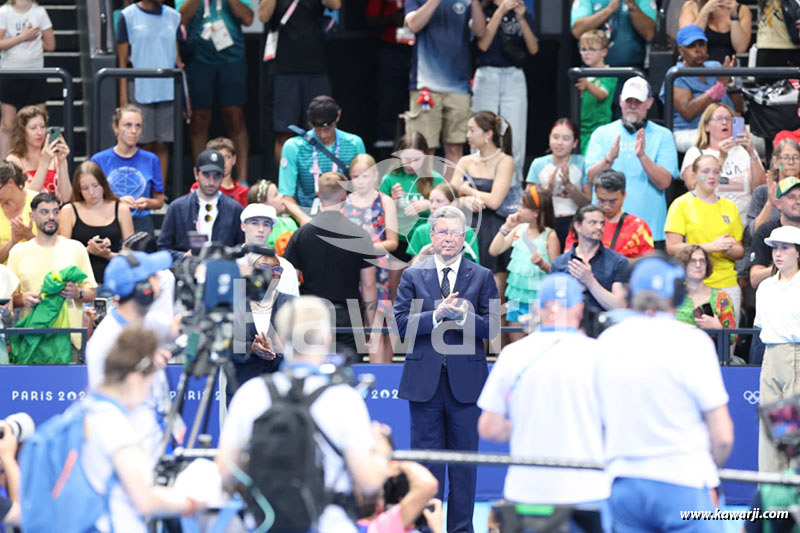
{"x":53,"y":133}
{"x":737,"y":129}
{"x":100,"y":307}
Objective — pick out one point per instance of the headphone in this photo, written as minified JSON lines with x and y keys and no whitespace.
{"x":671,"y":272}
{"x":142,"y":291}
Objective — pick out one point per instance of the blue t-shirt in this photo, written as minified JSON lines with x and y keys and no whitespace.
{"x":203,"y":50}
{"x":441,"y":59}
{"x":627,"y":48}
{"x":138,"y":176}
{"x":494,"y":56}
{"x":152,"y":36}
{"x":297,"y":158}
{"x":697,"y":87}
{"x":642,"y":198}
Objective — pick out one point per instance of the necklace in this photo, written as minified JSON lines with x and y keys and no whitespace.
{"x":488,"y":157}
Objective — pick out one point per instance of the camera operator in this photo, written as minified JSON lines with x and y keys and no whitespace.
{"x":9,"y":507}
{"x":339,"y":413}
{"x":131,"y":276}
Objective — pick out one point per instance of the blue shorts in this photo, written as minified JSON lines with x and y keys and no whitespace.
{"x":516,"y":309}
{"x":224,"y":85}
{"x":643,"y":505}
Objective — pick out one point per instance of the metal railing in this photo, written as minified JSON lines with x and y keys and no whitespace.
{"x":715,"y":72}
{"x":66,"y":93}
{"x":48,"y":331}
{"x":580,"y":72}
{"x":177,"y":76}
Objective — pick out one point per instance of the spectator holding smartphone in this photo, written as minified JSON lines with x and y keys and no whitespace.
{"x":704,"y":306}
{"x":40,"y":155}
{"x":25,"y":34}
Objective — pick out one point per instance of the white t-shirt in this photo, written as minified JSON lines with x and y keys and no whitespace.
{"x":207,"y":214}
{"x":542,"y":169}
{"x":28,"y":54}
{"x":656,"y":377}
{"x":734,"y":182}
{"x":777,"y":312}
{"x":545,"y":385}
{"x":340,"y":413}
{"x":108,"y":431}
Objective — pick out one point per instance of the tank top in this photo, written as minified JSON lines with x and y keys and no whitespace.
{"x":50,"y":181}
{"x":82,"y":232}
{"x":719,"y":45}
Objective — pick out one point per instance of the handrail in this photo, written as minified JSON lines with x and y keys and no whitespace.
{"x":67,"y":94}
{"x":582,"y":72}
{"x":177,"y":76}
{"x":696,"y":72}
{"x":49,"y":331}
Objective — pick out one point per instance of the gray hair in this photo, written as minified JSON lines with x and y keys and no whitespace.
{"x":650,"y":301}
{"x":447,"y":211}
{"x":610,"y":180}
{"x":305,"y":325}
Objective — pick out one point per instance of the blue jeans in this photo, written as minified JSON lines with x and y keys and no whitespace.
{"x":503,"y":90}
{"x":643,"y":505}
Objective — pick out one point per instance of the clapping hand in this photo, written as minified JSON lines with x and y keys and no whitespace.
{"x":449,"y":308}
{"x":580,"y":270}
{"x":723,"y":243}
{"x":19,"y":231}
{"x":729,"y":61}
{"x":639,"y":144}
{"x":262,"y":347}
{"x":613,"y":154}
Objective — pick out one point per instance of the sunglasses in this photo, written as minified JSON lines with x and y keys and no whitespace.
{"x":209,"y":210}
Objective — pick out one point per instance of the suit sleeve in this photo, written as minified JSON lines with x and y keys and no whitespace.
{"x":486,"y":318}
{"x":166,"y":239}
{"x":421,"y":323}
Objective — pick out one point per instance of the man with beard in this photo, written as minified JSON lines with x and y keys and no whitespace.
{"x":643,"y":151}
{"x":788,"y":203}
{"x":601,"y":271}
{"x":205,"y":210}
{"x":32,"y":260}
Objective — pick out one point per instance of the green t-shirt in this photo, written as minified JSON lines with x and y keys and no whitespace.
{"x":203,"y":50}
{"x":283,"y":225}
{"x":595,"y":113}
{"x":421,"y":237}
{"x":406,"y":224}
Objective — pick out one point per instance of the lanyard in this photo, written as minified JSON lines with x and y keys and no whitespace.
{"x":207,"y":11}
{"x":315,"y":170}
{"x":286,"y":16}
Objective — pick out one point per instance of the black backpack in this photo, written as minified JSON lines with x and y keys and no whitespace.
{"x":286,"y":464}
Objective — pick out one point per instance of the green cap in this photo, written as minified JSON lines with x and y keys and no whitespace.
{"x":786,"y":185}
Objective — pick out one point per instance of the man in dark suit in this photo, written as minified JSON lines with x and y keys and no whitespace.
{"x":205,"y":210}
{"x":449,"y":305}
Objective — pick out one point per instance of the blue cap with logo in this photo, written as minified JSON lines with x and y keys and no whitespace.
{"x":658,"y":276}
{"x":125,"y":270}
{"x":562,"y":287}
{"x":690,"y":34}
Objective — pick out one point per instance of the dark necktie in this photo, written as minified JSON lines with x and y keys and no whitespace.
{"x":446,"y":282}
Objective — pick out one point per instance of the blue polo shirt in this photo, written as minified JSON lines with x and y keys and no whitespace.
{"x":642,"y":198}
{"x":607,"y":265}
{"x":697,"y":86}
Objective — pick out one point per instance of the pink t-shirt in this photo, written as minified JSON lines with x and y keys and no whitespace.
{"x":387,"y":522}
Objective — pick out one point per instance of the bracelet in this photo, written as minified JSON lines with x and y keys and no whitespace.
{"x":504,"y":230}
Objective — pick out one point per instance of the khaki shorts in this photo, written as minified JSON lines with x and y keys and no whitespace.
{"x":446,"y":119}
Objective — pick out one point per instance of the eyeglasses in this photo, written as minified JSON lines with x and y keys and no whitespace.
{"x":697,"y":261}
{"x":789,"y":158}
{"x":209,"y":209}
{"x":722,"y":119}
{"x":456,"y":233}
{"x":276,"y":270}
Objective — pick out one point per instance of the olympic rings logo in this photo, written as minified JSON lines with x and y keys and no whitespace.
{"x":752,"y":396}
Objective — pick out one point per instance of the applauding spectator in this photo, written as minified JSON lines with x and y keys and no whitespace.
{"x":597,"y":94}
{"x":785,"y":164}
{"x":43,"y":160}
{"x":15,"y":201}
{"x":134,"y":174}
{"x":741,"y":167}
{"x":640,"y":149}
{"x":563,"y":175}
{"x":700,"y":298}
{"x":630,"y":24}
{"x":726,"y":23}
{"x":500,"y":85}
{"x":95,"y":217}
{"x":701,"y":217}
{"x":25,"y":34}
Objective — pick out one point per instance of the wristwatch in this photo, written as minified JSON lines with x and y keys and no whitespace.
{"x":80,"y":294}
{"x":734,"y":16}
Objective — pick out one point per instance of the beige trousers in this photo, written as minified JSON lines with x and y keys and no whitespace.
{"x":779,"y":380}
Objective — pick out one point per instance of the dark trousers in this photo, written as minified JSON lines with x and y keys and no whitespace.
{"x":345,"y":342}
{"x":444,"y":423}
{"x":246,"y":371}
{"x":394,"y":63}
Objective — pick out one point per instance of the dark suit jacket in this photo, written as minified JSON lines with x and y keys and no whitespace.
{"x":466,"y":365}
{"x":181,"y":218}
{"x":242,"y":353}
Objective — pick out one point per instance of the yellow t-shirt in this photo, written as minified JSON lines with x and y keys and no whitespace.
{"x":5,"y":225}
{"x":700,"y":222}
{"x":31,"y":263}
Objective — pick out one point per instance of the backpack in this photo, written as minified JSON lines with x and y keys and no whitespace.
{"x":54,"y":491}
{"x":286,"y":464}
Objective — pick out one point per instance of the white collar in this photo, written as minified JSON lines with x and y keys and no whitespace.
{"x":452,"y":266}
{"x":212,"y":202}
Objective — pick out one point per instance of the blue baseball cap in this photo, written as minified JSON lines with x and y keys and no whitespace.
{"x":656,"y":275}
{"x":123,"y":273}
{"x":561,"y":287}
{"x":690,"y":34}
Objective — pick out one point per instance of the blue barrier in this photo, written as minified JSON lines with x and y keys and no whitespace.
{"x":43,"y":391}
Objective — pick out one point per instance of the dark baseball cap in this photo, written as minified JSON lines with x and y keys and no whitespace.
{"x":211,"y":161}
{"x":322,"y":111}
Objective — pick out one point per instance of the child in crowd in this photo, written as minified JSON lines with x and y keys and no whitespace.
{"x":230,"y":187}
{"x":529,"y":233}
{"x":562,"y":174}
{"x":266,"y":192}
{"x":596,"y":93}
{"x":419,"y":242}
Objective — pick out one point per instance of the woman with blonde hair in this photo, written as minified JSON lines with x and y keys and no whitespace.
{"x":742,"y":170}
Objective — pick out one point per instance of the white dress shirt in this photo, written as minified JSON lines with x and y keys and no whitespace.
{"x":451,"y":276}
{"x":203,"y":226}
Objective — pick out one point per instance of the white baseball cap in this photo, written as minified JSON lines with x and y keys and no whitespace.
{"x":636,"y":87}
{"x":259,"y":210}
{"x":787,"y":234}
